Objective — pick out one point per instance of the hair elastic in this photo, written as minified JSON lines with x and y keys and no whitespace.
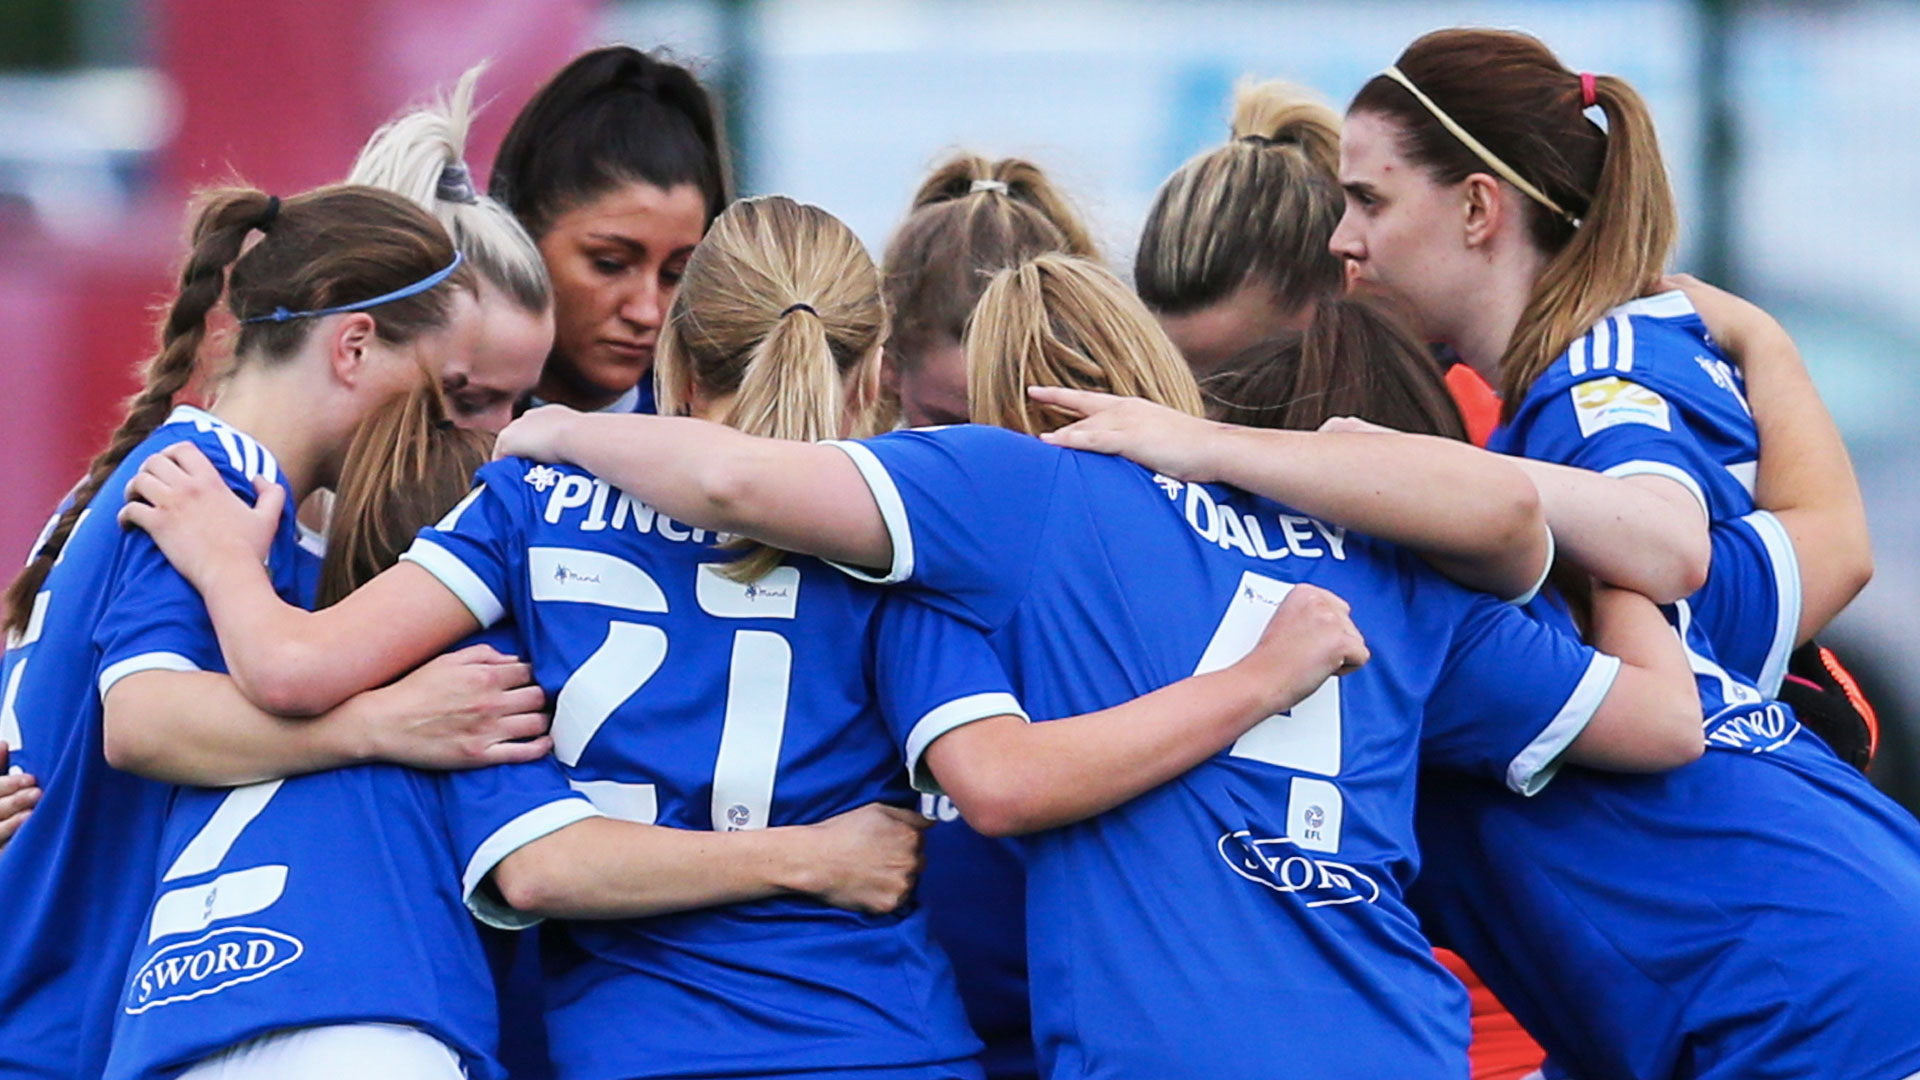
{"x":268,"y":215}
{"x":987,"y":185}
{"x":280,"y":314}
{"x":791,"y":308}
{"x":1480,"y":151}
{"x":456,"y":184}
{"x":1589,"y":95}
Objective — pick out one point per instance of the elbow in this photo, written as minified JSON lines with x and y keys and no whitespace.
{"x":530,"y":881}
{"x":723,"y":486}
{"x":1681,"y":740}
{"x":1684,"y":573}
{"x":128,"y":746}
{"x":288,"y":682}
{"x":999,"y":810}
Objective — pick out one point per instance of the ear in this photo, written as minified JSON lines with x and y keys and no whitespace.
{"x":888,"y":373}
{"x":353,"y":341}
{"x":864,"y":392}
{"x":1483,"y":209}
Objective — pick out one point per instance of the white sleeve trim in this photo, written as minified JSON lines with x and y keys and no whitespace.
{"x":1546,"y":571}
{"x":133,"y":665}
{"x":1661,"y":468}
{"x":459,"y":579}
{"x":1530,"y":770}
{"x":954,"y":714}
{"x":893,"y":511}
{"x":1786,"y":581}
{"x":507,"y":839}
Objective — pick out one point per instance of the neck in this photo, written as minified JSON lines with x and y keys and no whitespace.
{"x":1491,"y":316}
{"x":271,"y":403}
{"x":556,"y":389}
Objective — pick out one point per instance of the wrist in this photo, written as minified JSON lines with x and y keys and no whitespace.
{"x":788,"y":859}
{"x":353,"y":730}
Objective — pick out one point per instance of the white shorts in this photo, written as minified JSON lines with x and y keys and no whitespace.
{"x":388,"y":1051}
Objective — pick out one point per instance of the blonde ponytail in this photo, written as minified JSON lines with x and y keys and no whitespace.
{"x":779,"y":310}
{"x":421,"y":156}
{"x":1058,"y":320}
{"x":1258,"y":210}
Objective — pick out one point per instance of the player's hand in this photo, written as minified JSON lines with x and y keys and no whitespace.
{"x":867,"y":859}
{"x":465,"y":710}
{"x":1165,"y":440}
{"x":537,"y":434}
{"x":1735,"y":323}
{"x":19,"y":793}
{"x":1353,"y":424}
{"x":1310,"y":639}
{"x":184,"y":503}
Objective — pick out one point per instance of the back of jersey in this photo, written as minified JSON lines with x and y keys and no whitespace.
{"x":78,"y":874}
{"x":1271,"y":873}
{"x":686,"y":698}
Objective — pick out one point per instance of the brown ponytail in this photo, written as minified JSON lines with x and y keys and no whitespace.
{"x":405,"y":468}
{"x":1058,"y":320}
{"x":780,"y":308}
{"x":1354,"y":359}
{"x":328,"y":247}
{"x":970,"y":218}
{"x":1260,"y":209}
{"x":1512,"y":94}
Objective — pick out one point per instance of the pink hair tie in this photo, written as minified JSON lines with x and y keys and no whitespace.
{"x":1587,"y":96}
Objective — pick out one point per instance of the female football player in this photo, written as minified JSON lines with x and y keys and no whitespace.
{"x":110,"y":662}
{"x":616,"y":167}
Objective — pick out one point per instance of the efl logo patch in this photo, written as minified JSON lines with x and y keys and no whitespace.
{"x":1609,"y":402}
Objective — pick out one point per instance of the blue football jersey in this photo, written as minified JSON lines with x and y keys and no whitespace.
{"x":1647,"y":392}
{"x":77,"y":877}
{"x":1274,"y":872}
{"x":331,"y":898}
{"x":687,"y":699}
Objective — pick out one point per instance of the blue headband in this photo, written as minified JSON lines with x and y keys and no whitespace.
{"x":280,"y":314}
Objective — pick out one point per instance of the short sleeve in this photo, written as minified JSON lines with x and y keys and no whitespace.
{"x":933,"y":674}
{"x":966,"y":508}
{"x":475,"y":548}
{"x":1750,"y":605}
{"x":493,"y":812}
{"x":1614,"y":426}
{"x":154,"y":619}
{"x":1513,"y":694}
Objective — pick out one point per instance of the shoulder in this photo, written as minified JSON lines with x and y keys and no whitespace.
{"x":1656,"y":341}
{"x":238,"y":456}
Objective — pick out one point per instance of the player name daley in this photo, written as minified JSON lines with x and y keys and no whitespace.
{"x":1300,"y":536}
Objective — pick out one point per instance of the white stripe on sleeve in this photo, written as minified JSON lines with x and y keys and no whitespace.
{"x":1786,"y":581}
{"x":507,"y":839}
{"x":133,"y":665}
{"x":1531,"y":769}
{"x":954,"y":714}
{"x":459,"y":579}
{"x":1546,"y":571}
{"x":893,"y":511}
{"x":1660,"y":468}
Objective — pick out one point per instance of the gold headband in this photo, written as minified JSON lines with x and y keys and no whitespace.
{"x":1479,"y":149}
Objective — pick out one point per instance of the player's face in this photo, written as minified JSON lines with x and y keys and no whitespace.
{"x":615,"y":261}
{"x":1212,"y":335}
{"x":934,"y":390}
{"x":1403,"y":234}
{"x":494,"y":361}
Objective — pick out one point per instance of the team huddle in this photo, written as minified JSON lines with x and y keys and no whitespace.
{"x":601,"y":627}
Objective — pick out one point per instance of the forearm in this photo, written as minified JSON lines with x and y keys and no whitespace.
{"x":795,"y":496}
{"x":1624,"y":533}
{"x":197,"y":728}
{"x":1806,"y":477}
{"x":1650,"y":719}
{"x":602,"y":868}
{"x":1488,"y":532}
{"x":1008,"y":777}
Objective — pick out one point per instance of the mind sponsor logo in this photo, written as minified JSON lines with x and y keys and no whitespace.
{"x":209,"y":964}
{"x":1280,"y":865}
